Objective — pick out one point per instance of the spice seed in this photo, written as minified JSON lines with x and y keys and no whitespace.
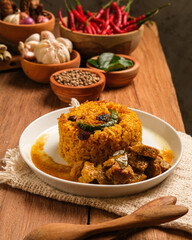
{"x":76,"y":78}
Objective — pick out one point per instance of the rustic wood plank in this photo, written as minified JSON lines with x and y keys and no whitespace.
{"x":23,"y":100}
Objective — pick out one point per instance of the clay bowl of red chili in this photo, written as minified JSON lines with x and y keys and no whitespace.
{"x":13,"y":33}
{"x":121,"y":78}
{"x":81,"y":92}
{"x":90,"y":45}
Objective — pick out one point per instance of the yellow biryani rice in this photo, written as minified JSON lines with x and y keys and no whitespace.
{"x":101,"y":143}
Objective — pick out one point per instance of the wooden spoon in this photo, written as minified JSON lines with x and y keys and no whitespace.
{"x":167,"y":200}
{"x":143,"y":217}
{"x":162,"y":201}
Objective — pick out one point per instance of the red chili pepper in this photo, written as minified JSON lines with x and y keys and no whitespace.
{"x":71,"y":17}
{"x":81,"y":26}
{"x":146,"y":15}
{"x":107,"y":23}
{"x":98,"y":30}
{"x":116,"y":28}
{"x":118,"y":13}
{"x":87,"y":28}
{"x":97,"y":20}
{"x":61,"y":18}
{"x":78,"y":16}
{"x":104,"y":31}
{"x":136,"y":25}
{"x":79,"y":8}
{"x":92,"y":28}
{"x":131,"y":28}
{"x":111,"y":18}
{"x":126,"y":12}
{"x":102,"y":10}
{"x":107,"y":14}
{"x":109,"y":32}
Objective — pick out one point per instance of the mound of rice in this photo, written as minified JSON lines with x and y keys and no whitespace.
{"x":102,"y":143}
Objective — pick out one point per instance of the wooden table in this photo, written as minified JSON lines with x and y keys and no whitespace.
{"x":23,"y":100}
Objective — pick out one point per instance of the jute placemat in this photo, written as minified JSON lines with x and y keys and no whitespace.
{"x":17,"y":174}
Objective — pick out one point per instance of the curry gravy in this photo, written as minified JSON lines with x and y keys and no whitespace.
{"x":167,"y":155}
{"x":45,"y":163}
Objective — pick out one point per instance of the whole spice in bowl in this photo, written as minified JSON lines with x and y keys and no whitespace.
{"x":80,"y":83}
{"x":76,"y":78}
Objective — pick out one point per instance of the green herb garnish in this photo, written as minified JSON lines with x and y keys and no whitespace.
{"x":91,"y":128}
{"x":110,"y":62}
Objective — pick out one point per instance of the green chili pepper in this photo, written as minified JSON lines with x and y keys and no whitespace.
{"x":91,"y":128}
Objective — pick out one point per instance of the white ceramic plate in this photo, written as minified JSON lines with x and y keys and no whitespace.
{"x":156,"y":133}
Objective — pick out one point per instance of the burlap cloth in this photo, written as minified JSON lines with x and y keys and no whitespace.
{"x":17,"y":174}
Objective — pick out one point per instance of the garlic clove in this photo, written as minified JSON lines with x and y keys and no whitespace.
{"x":61,"y":56}
{"x":66,"y":53}
{"x":29,"y":55}
{"x":33,"y":37}
{"x":47,"y":35}
{"x":31,"y":45}
{"x":66,"y":42}
{"x":21,"y":47}
{"x":62,"y":51}
{"x":40,"y":53}
{"x":50,"y":57}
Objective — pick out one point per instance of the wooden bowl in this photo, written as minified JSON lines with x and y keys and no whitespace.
{"x":13,"y":33}
{"x":119,"y":78}
{"x":41,"y":72}
{"x":89,"y":45}
{"x":91,"y":92}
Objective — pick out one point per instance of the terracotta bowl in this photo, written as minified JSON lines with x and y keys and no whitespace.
{"x":13,"y":33}
{"x":41,"y":72}
{"x":91,"y":92}
{"x":91,"y":45}
{"x":119,"y":78}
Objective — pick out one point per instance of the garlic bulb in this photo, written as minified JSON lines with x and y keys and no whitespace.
{"x":12,"y":18}
{"x":46,"y":49}
{"x":51,"y":52}
{"x":66,"y":42}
